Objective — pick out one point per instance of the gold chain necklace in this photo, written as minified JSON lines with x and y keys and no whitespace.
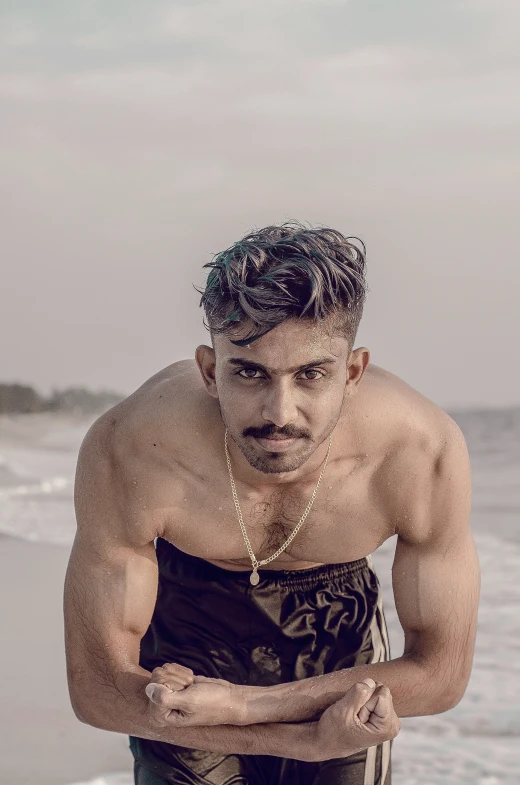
{"x":254,"y":577}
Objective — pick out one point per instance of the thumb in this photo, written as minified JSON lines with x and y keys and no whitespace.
{"x":360,"y":693}
{"x":163,"y":696}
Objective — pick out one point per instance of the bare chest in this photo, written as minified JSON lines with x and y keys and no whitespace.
{"x":343,"y":524}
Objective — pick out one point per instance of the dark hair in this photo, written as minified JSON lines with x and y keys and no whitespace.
{"x":286,"y":271}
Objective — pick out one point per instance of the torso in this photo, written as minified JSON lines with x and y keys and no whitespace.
{"x":168,"y":439}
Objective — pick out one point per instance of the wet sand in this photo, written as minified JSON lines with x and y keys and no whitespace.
{"x":41,"y":740}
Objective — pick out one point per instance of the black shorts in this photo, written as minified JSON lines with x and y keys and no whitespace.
{"x":293,"y":625}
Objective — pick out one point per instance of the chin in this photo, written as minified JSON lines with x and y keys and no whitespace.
{"x":275,"y":462}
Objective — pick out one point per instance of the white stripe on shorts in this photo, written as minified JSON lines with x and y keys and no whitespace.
{"x":381,"y":653}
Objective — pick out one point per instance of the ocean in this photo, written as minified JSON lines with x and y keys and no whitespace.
{"x":475,"y":743}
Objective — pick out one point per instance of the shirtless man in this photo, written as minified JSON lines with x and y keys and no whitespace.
{"x":226,"y":653}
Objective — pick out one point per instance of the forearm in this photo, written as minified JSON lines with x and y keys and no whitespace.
{"x":123,"y":707}
{"x":413,"y":690}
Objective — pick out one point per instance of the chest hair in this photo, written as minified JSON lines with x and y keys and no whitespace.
{"x":277,"y":516}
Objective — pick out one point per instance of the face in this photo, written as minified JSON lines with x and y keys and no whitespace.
{"x":282,"y":396}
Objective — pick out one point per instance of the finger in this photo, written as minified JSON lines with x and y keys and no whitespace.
{"x":358,"y":694}
{"x":172,"y":669}
{"x":372,"y":700}
{"x":365,"y":710}
{"x":179,"y":672}
{"x":164,"y":697}
{"x":364,"y":714}
{"x":384,"y":704}
{"x":175,"y":667}
{"x":172,"y":679}
{"x":173,"y":684}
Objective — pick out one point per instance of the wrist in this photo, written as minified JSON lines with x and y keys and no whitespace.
{"x":249,"y":705}
{"x":272,"y":704}
{"x":242,"y":702}
{"x":296,"y":741}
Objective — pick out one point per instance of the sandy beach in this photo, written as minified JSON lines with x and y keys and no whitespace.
{"x":41,"y":740}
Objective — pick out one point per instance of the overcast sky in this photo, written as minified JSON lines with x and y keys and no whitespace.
{"x":138,"y":139}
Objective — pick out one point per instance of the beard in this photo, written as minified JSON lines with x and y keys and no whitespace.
{"x":274,"y":462}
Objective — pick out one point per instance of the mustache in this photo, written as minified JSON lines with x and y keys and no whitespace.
{"x":266,"y":431}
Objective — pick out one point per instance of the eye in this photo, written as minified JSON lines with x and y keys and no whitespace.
{"x":248,"y":373}
{"x":315,"y":371}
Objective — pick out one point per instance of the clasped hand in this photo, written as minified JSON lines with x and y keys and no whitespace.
{"x":179,"y":698}
{"x":363,"y":717}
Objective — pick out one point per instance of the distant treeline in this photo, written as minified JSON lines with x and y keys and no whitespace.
{"x":24,"y":399}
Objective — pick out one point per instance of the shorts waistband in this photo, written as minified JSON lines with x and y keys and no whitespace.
{"x":324,"y":574}
{"x":289,"y":579}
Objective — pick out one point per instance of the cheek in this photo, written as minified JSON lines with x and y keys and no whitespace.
{"x":329,"y":405}
{"x":236,"y":405}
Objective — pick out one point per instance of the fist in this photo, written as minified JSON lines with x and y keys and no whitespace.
{"x":364,"y":717}
{"x":172,"y":675}
{"x":179,"y":698}
{"x":165,"y":682}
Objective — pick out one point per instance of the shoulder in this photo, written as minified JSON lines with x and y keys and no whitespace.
{"x":420,"y":446}
{"x":150,"y":435}
{"x":158,"y":422}
{"x":412,"y":422}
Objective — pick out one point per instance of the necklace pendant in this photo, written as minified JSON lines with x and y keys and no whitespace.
{"x":254,"y":577}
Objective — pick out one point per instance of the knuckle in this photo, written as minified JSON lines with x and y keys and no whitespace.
{"x":392,"y":729}
{"x":163,"y":681}
{"x":176,"y":666}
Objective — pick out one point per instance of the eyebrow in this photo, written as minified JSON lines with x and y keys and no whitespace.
{"x":244,"y":361}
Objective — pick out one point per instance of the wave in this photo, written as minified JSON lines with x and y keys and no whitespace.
{"x":45,"y":486}
{"x":39,"y":511}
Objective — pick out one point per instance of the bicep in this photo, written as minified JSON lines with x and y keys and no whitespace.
{"x":110,"y":585}
{"x":436,"y":575}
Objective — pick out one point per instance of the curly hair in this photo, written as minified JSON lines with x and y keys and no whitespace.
{"x":282,"y":272}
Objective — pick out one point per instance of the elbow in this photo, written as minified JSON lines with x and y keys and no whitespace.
{"x":450,"y":698}
{"x":83,"y":714}
{"x":450,"y":693}
{"x":445,"y":691}
{"x":446,"y":686}
{"x":90,"y":717}
{"x":85,"y":711}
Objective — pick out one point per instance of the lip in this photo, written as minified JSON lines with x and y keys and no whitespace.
{"x":275,"y":445}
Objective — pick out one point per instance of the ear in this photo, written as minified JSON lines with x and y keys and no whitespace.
{"x":205,"y":358}
{"x":357,"y":364}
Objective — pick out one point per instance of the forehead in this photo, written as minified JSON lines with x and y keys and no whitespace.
{"x":293,"y":343}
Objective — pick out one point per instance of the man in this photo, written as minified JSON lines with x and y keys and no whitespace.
{"x":220,"y":603}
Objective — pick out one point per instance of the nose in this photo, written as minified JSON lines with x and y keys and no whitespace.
{"x":279,"y":405}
